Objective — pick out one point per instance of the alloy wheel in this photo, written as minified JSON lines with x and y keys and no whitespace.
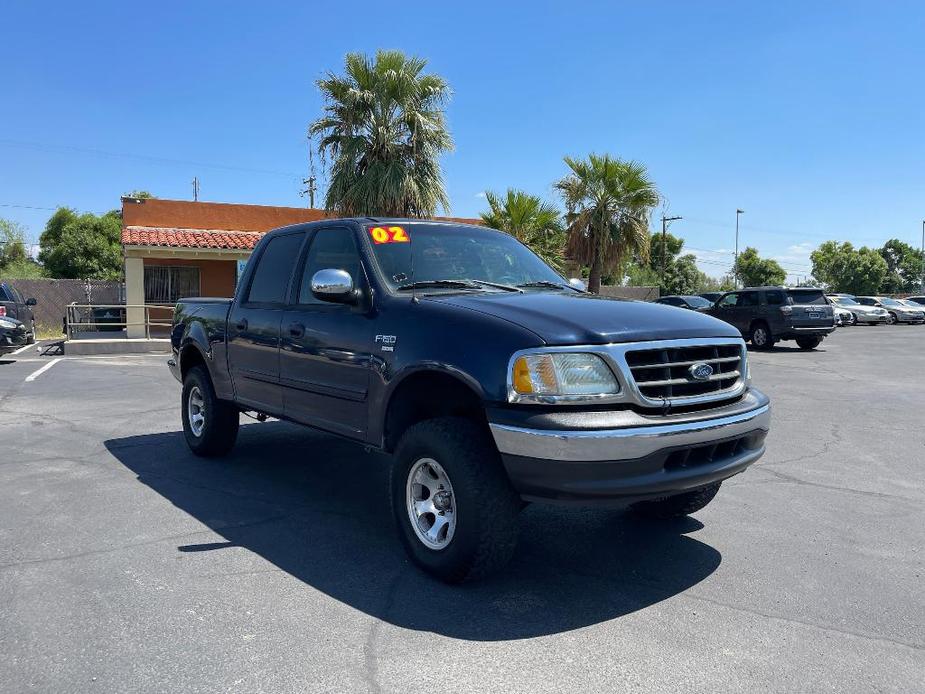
{"x":196,"y":409}
{"x":430,"y":503}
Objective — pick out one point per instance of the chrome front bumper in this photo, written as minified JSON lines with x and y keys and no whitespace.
{"x":626,"y":443}
{"x":630,"y":463}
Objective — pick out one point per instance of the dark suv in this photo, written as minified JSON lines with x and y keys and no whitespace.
{"x":13,"y":305}
{"x":765,"y":315}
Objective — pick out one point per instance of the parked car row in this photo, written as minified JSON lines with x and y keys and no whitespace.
{"x":766,"y":315}
{"x":881,"y":309}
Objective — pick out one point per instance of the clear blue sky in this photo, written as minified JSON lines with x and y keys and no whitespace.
{"x":808,"y":116}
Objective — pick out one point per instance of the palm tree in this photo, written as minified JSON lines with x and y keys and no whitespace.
{"x":608,"y":202}
{"x":530,"y":220}
{"x":383,"y":129}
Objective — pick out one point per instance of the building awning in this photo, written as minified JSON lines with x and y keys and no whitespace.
{"x":173,"y":237}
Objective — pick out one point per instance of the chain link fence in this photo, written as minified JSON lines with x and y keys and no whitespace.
{"x":53,"y":297}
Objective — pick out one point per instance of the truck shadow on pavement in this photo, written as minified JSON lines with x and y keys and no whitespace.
{"x":316,"y":507}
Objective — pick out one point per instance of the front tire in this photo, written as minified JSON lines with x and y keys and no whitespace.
{"x":894,"y":319}
{"x":32,"y":337}
{"x":809,"y":342}
{"x":677,"y":505}
{"x":761,"y":336}
{"x":210,"y":425}
{"x":455,"y":509}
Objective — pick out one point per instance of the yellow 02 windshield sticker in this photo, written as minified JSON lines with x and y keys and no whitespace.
{"x":389,"y":235}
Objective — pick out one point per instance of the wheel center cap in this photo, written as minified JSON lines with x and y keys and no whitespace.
{"x":442,"y":500}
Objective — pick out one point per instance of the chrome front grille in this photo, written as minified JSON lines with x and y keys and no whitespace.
{"x":664,"y":372}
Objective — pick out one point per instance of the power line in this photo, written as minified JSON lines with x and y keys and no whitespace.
{"x":27,"y":207}
{"x":143,"y":157}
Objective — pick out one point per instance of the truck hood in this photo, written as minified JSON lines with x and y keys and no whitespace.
{"x":586,"y":319}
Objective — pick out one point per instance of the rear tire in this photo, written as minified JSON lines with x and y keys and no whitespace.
{"x":761,"y":337}
{"x":677,"y":505}
{"x":468,"y":529}
{"x":210,"y":425}
{"x":809,"y":342}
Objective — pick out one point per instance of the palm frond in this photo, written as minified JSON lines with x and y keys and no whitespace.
{"x":384,"y":130}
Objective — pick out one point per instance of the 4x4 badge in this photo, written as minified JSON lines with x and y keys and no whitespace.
{"x":700,"y":371}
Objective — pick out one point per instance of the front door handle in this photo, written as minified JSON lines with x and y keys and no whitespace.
{"x":296,"y":330}
{"x":242,"y":325}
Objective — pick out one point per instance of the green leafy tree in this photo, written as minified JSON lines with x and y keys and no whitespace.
{"x":12,"y":244}
{"x":681,"y":274}
{"x":608,"y":202}
{"x":54,"y":227}
{"x":384,"y":130}
{"x":754,"y":271}
{"x":531,"y":221}
{"x":904,"y":267}
{"x":714,"y":284}
{"x":842,"y":268}
{"x":88,"y":246}
{"x":139,"y":195}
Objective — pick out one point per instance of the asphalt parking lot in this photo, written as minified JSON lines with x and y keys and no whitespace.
{"x":128,"y":565}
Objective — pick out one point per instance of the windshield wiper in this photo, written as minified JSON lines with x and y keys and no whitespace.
{"x":548,"y":283}
{"x":456,"y":284}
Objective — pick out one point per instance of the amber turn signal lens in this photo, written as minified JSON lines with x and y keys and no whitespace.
{"x":522,"y":382}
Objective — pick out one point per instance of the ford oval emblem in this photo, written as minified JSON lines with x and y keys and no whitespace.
{"x":700,"y":371}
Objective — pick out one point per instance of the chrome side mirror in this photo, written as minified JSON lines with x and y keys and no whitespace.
{"x":578,"y":284}
{"x":335,"y":286}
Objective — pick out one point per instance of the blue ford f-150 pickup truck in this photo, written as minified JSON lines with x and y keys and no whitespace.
{"x":490,"y":379}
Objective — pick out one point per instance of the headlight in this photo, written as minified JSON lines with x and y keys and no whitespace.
{"x":7,"y":323}
{"x":561,"y":376}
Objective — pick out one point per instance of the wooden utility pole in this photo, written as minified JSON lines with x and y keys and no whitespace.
{"x":665,"y":221}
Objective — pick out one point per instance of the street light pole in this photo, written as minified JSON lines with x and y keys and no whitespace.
{"x":923,"y":257}
{"x":665,"y":221}
{"x":735,"y":266}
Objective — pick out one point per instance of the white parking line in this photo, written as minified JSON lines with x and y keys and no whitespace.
{"x":22,"y":349}
{"x":38,"y":372}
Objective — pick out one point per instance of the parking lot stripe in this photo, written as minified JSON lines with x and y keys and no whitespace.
{"x":38,"y":372}
{"x":22,"y":349}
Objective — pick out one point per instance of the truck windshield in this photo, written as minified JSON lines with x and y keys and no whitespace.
{"x":456,"y":254}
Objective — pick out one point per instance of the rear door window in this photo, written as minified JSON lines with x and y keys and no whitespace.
{"x":807,"y":296}
{"x":274,"y":269}
{"x":748,"y":299}
{"x":775,"y":298}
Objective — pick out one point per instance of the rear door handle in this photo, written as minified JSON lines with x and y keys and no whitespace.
{"x":296,"y":329}
{"x":242,"y":324}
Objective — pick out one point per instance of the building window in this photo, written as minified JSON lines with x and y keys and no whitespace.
{"x":167,"y":284}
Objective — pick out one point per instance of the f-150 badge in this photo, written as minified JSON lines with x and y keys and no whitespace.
{"x":387,"y":342}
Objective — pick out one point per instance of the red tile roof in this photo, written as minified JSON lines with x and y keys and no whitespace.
{"x":172,"y":237}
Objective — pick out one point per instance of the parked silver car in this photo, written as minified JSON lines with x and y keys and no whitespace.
{"x":898,"y":313}
{"x":862,"y":314}
{"x":914,"y":305}
{"x":843,"y":316}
